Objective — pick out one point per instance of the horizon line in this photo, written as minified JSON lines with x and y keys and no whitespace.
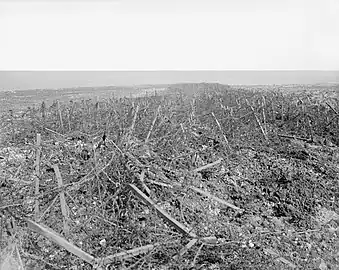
{"x":172,"y":70}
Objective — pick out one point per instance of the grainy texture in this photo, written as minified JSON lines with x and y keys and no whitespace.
{"x":287,"y":188}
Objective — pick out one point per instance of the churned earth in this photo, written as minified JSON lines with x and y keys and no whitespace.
{"x":254,"y":174}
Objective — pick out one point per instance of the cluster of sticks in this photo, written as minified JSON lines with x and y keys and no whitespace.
{"x":98,"y":263}
{"x":145,"y":178}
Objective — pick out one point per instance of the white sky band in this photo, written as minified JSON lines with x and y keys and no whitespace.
{"x":169,"y":35}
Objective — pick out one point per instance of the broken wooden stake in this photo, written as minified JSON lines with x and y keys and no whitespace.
{"x":63,"y":204}
{"x":164,"y":215}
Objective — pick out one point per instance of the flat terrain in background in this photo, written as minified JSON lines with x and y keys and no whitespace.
{"x":22,"y":80}
{"x":21,"y":99}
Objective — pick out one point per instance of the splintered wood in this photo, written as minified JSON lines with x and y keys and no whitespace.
{"x":163,"y":214}
{"x":37,"y":174}
{"x":56,"y":238}
{"x":126,"y":254}
{"x":63,"y":204}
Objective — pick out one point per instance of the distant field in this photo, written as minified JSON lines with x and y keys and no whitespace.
{"x":22,"y":80}
{"x":21,"y":99}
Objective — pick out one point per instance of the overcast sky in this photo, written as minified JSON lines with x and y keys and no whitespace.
{"x":169,"y":35}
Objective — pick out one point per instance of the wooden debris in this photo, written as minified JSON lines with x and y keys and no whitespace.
{"x":159,"y":183}
{"x":186,"y":248}
{"x":53,"y":236}
{"x":63,"y":203}
{"x":153,"y":123}
{"x":142,"y":181}
{"x":171,"y":221}
{"x":197,"y":254}
{"x":208,"y":165}
{"x":37,"y":174}
{"x":329,"y":105}
{"x":210,"y":240}
{"x":258,"y":121}
{"x":134,"y":120}
{"x":220,"y":129}
{"x":48,"y":208}
{"x":60,"y":116}
{"x":209,"y":195}
{"x":295,"y":138}
{"x":126,"y":254}
{"x":56,"y":133}
{"x":278,"y":258}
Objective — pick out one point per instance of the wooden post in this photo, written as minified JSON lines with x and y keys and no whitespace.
{"x":264,"y":113}
{"x":37,"y":175}
{"x":43,"y":111}
{"x":96,"y":109}
{"x":70,"y":115}
{"x":258,"y":121}
{"x":153,"y":123}
{"x":60,"y":116}
{"x":222,"y":133}
{"x":63,"y":204}
{"x":134,"y":119}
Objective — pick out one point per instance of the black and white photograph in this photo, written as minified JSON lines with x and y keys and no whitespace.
{"x":169,"y":134}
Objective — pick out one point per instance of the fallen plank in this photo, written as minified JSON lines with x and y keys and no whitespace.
{"x":64,"y":208}
{"x":171,"y":221}
{"x":207,"y":194}
{"x":53,"y":236}
{"x":208,"y":165}
{"x":186,"y":248}
{"x":126,"y":254}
